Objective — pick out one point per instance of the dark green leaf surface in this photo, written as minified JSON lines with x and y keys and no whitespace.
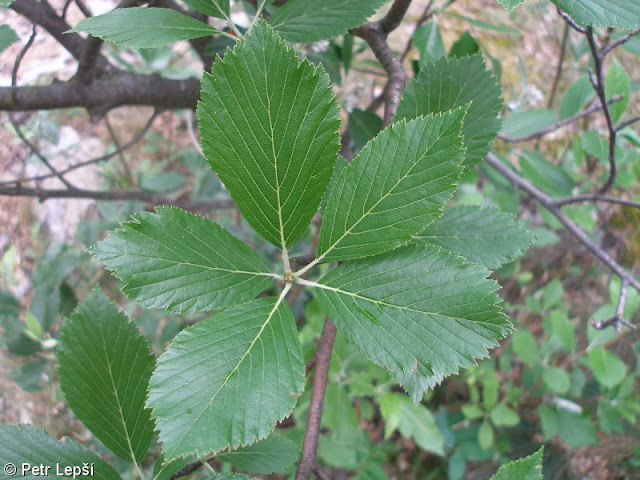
{"x":483,"y":235}
{"x":182,"y":262}
{"x":143,"y":27}
{"x":269,"y":128}
{"x":28,"y":444}
{"x":363,"y":126}
{"x":214,"y":8}
{"x":449,"y":83}
{"x":527,"y":468}
{"x":226,"y":381}
{"x":397,"y":185}
{"x":416,"y":309}
{"x":307,"y":21}
{"x":273,"y":454}
{"x":104,"y":370}
{"x":603,"y":13}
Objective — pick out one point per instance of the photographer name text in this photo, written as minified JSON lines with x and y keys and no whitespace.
{"x":58,"y":470}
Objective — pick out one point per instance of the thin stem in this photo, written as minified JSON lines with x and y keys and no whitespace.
{"x":558,"y":74}
{"x":571,"y":227}
{"x":594,"y":197}
{"x":312,"y":430}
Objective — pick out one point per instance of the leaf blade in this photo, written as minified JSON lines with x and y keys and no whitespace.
{"x":104,"y":370}
{"x":305,"y":22}
{"x":449,"y":83}
{"x":398,"y":183}
{"x":603,"y":13}
{"x":231,"y":409}
{"x":269,"y":129}
{"x":416,"y":310}
{"x":483,"y":235}
{"x":31,"y":445}
{"x":273,"y":454}
{"x":166,"y":262}
{"x":139,"y":27}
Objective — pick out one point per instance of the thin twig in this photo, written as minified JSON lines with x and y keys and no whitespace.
{"x":558,"y":74}
{"x":426,"y":15}
{"x":16,"y":127}
{"x":626,"y":123}
{"x":45,"y":194}
{"x":102,"y":158}
{"x":116,"y":142}
{"x":312,"y":430}
{"x":597,"y":81}
{"x":571,"y":227}
{"x":594,"y":107}
{"x":618,"y":319}
{"x":594,"y":197}
{"x":375,"y":34}
{"x":625,"y":38}
{"x":565,"y":16}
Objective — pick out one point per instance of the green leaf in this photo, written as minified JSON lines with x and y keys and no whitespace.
{"x":485,"y":435}
{"x":548,"y":421}
{"x":28,"y":376}
{"x":214,"y":8}
{"x":416,"y":310}
{"x":545,"y":174}
{"x":525,"y":346}
{"x":576,"y":430}
{"x":227,"y":476}
{"x":563,"y":329}
{"x":449,"y":83}
{"x":225,"y":381}
{"x":303,"y":21}
{"x":182,"y":262}
{"x":26,"y":444}
{"x":556,"y":379}
{"x":143,"y":27}
{"x":104,"y":370}
{"x":465,"y":46}
{"x":521,"y":124}
{"x":483,"y":235}
{"x":603,"y":13}
{"x":606,"y":367}
{"x":617,"y":83}
{"x":363,"y":126}
{"x":273,"y":454}
{"x":6,"y":3}
{"x":579,"y":93}
{"x":412,"y":421}
{"x":527,"y":468}
{"x":164,"y":470}
{"x":269,"y":128}
{"x":503,"y":416}
{"x":7,"y":37}
{"x":428,"y":42}
{"x":398,"y":183}
{"x":510,"y":4}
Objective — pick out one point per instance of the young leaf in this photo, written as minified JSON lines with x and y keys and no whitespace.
{"x":483,"y":235}
{"x":104,"y":370}
{"x":140,"y":27}
{"x":213,"y":8}
{"x":416,"y":309}
{"x":225,"y":381}
{"x":527,"y":468}
{"x":414,"y":421}
{"x":603,"y":13}
{"x":182,"y":262}
{"x":26,"y":444}
{"x":398,"y":183}
{"x":7,"y":37}
{"x":579,"y":93}
{"x":303,"y":21}
{"x":269,"y":129}
{"x":606,"y":367}
{"x":617,"y":83}
{"x":428,"y":41}
{"x":273,"y":454}
{"x":449,"y":83}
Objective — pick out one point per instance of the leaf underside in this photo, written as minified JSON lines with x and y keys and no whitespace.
{"x":28,"y":444}
{"x":448,"y":83}
{"x":269,"y":128}
{"x":397,"y":185}
{"x":104,"y":370}
{"x":483,"y":235}
{"x":140,"y":27}
{"x":307,"y":21}
{"x":182,"y":262}
{"x":416,"y":310}
{"x":603,"y":13}
{"x":227,"y":380}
